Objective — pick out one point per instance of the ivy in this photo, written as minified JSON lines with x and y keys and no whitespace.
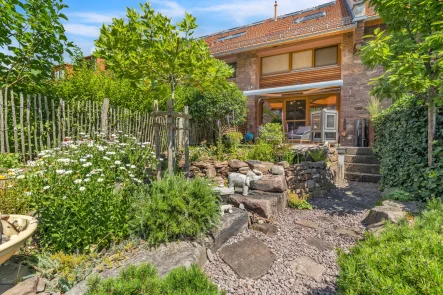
{"x":401,"y":144}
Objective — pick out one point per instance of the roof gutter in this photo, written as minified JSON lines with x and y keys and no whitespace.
{"x":327,"y":84}
{"x":343,"y":29}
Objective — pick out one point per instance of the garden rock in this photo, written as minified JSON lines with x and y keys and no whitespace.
{"x":270,"y":183}
{"x":285,"y":164}
{"x":266,"y":228}
{"x":210,"y":172}
{"x":277,"y":170}
{"x":27,"y":287}
{"x":349,"y":231}
{"x":165,"y":258}
{"x":307,"y":223}
{"x":264,"y":204}
{"x":230,"y":225}
{"x":249,"y":258}
{"x":320,"y":244}
{"x":305,"y":266}
{"x":204,"y":165}
{"x":380,"y":213}
{"x":237,"y":164}
{"x":412,"y":207}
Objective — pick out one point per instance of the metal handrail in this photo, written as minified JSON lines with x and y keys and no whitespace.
{"x":283,"y":34}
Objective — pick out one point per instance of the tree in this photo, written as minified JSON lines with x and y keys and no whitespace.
{"x":221,"y":103}
{"x":411,"y":52}
{"x":33,"y":39}
{"x":150,"y":51}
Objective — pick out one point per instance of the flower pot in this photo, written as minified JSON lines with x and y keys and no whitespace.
{"x":17,"y":228}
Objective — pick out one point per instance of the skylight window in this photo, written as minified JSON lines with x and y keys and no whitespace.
{"x":309,"y":17}
{"x":231,"y":37}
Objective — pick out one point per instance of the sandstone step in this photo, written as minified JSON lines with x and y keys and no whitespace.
{"x":362,"y":177}
{"x":362,"y":168}
{"x":365,"y":151}
{"x":361,"y":159}
{"x":230,"y":225}
{"x":266,"y":205}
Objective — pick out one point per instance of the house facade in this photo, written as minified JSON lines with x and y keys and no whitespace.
{"x":292,"y":65}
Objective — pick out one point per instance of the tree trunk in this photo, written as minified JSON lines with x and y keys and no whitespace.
{"x":432,"y":118}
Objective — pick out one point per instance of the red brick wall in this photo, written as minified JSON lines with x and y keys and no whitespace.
{"x":355,"y":91}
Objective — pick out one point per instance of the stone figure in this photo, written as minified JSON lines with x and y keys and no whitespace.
{"x":243,"y":181}
{"x":225,"y":209}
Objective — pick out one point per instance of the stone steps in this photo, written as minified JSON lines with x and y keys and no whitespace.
{"x":361,"y":165}
{"x":362,"y":168}
{"x":362,"y":177}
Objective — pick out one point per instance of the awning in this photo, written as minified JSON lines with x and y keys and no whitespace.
{"x":299,"y":87}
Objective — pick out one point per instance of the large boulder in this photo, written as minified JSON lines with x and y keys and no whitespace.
{"x":266,"y":205}
{"x":277,"y":170}
{"x":380,"y":213}
{"x":260,"y":166}
{"x":270,"y":183}
{"x":202,"y":165}
{"x":237,"y":164}
{"x":165,"y":258}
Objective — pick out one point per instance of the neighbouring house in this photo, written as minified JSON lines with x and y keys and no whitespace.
{"x":60,"y":71}
{"x":292,"y":65}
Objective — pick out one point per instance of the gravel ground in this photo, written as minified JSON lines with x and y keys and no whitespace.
{"x":345,"y":206}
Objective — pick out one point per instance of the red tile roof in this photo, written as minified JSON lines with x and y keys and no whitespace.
{"x":370,"y":10}
{"x":268,"y":31}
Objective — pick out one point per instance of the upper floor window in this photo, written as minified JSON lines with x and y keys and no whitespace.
{"x":282,"y":63}
{"x":326,"y":56}
{"x":275,"y":64}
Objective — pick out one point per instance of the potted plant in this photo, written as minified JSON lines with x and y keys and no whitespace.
{"x":374,"y":108}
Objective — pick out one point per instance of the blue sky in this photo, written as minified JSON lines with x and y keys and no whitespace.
{"x":87,"y":16}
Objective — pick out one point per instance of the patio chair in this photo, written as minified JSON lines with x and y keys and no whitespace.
{"x":302,"y":133}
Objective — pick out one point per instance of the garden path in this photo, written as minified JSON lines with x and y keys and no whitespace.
{"x":304,"y":246}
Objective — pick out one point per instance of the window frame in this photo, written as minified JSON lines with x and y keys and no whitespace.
{"x":291,"y":70}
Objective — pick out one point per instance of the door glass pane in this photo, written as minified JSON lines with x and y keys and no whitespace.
{"x":275,"y":64}
{"x":302,"y":60}
{"x":330,"y":121}
{"x":326,"y":56}
{"x":296,"y":110}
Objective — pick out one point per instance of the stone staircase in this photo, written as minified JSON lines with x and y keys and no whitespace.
{"x":361,"y":165}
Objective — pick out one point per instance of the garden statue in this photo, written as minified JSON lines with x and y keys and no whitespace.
{"x":243,"y":181}
{"x":225,"y":208}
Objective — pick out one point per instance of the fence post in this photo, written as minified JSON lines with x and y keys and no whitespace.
{"x":22,"y":124}
{"x":157,"y":141}
{"x":2,"y":125}
{"x":171,"y":136}
{"x":186,"y":143}
{"x":104,"y":116}
{"x":14,"y":123}
{"x":6,"y":125}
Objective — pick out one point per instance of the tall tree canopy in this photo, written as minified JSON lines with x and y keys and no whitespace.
{"x":411,"y":52}
{"x":150,"y":51}
{"x":32,"y":38}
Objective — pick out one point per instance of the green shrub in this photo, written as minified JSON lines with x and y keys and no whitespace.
{"x":317,"y":155}
{"x":82,"y":193}
{"x":271,"y":133}
{"x":403,"y":260}
{"x":9,"y":160}
{"x":401,"y":145}
{"x":261,"y":151}
{"x":399,"y":195}
{"x":144,"y":280}
{"x":294,"y":201}
{"x":232,"y":141}
{"x":176,"y":208}
{"x":13,"y":201}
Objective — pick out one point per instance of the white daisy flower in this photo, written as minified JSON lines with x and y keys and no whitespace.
{"x":20,"y":177}
{"x":100,"y":180}
{"x":106,"y":158}
{"x":83,"y":160}
{"x":60,"y":171}
{"x":28,"y":193}
{"x":117,"y":163}
{"x":133,"y":166}
{"x":82,"y":188}
{"x":87,"y":180}
{"x":46,"y":187}
{"x":77,"y":181}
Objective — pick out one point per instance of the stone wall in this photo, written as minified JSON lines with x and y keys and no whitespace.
{"x":314,"y":178}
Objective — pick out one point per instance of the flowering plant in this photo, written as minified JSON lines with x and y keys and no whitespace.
{"x":82,"y":192}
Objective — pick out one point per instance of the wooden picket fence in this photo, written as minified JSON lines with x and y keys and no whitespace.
{"x":32,"y":123}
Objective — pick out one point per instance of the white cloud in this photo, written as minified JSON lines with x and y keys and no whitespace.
{"x":241,"y":11}
{"x":82,"y":30}
{"x":170,"y":8}
{"x":93,"y":17}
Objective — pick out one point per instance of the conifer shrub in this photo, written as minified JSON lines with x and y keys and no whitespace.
{"x":175,"y":208}
{"x":403,"y":260}
{"x":144,"y":280}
